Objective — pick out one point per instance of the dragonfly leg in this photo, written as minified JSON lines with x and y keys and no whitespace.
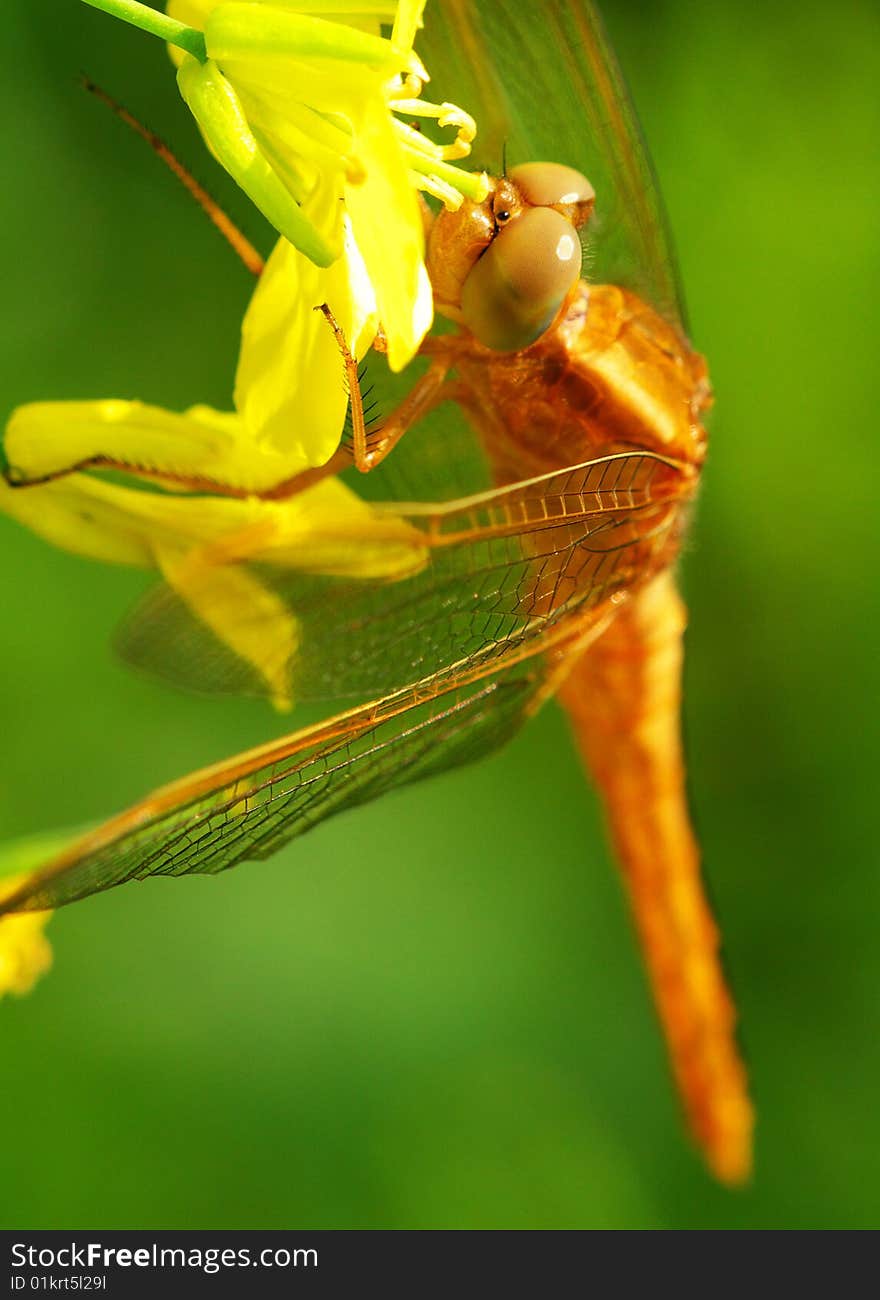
{"x":171,"y":449}
{"x":425,"y":394}
{"x":47,"y":441}
{"x":623,"y":699}
{"x":238,"y":242}
{"x":370,"y":450}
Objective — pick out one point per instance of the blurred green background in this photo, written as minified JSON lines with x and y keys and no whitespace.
{"x":431,"y":1013}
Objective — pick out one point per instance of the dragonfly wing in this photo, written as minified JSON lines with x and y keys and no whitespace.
{"x":441,"y":457}
{"x":251,"y":805}
{"x":498,"y":568}
{"x":572,"y":107}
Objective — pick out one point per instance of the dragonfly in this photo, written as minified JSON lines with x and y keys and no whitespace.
{"x":548,"y":459}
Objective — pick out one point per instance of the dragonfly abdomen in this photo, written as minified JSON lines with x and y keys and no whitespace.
{"x":623,"y":699}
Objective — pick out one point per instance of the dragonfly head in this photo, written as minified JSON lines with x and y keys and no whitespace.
{"x":503,"y":268}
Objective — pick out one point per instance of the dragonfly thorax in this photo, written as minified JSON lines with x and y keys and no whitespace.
{"x":503,"y":268}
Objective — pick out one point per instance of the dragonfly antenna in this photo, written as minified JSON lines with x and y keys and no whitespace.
{"x":240,"y":245}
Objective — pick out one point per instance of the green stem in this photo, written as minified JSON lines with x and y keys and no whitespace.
{"x":157,"y":24}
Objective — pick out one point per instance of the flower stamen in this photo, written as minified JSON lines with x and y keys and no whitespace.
{"x":445,"y":115}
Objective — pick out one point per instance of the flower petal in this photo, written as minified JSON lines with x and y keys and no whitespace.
{"x":192,"y":12}
{"x":25,"y":953}
{"x":326,"y":530}
{"x":290,"y":389}
{"x":204,"y":546}
{"x":407,"y":22}
{"x":50,"y":438}
{"x":236,"y":30}
{"x":387,"y":223}
{"x":221,"y":118}
{"x":241,"y":611}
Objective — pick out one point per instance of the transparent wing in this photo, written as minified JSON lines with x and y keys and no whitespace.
{"x":544,"y":85}
{"x":440,"y":459}
{"x":498,"y":569}
{"x":251,"y":805}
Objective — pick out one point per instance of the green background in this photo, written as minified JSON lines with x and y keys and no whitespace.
{"x":430,"y":1013}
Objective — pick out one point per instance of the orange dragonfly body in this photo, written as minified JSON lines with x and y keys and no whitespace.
{"x":610,"y":377}
{"x":554,"y":578}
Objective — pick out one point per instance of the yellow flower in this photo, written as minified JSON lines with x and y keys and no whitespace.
{"x":298,"y":102}
{"x":25,"y":953}
{"x":290,"y":394}
{"x":289,"y":387}
{"x":202,"y":544}
{"x":291,"y":402}
{"x":299,"y":108}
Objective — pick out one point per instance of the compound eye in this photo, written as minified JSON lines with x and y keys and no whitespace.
{"x":517,"y":287}
{"x":551,"y":185}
